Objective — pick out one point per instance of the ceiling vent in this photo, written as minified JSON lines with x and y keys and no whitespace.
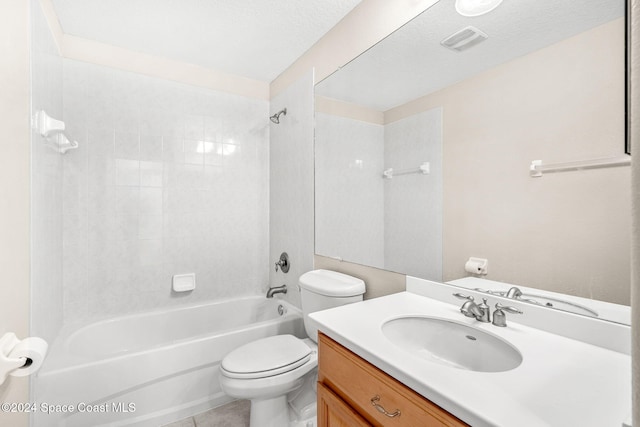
{"x":464,"y":39}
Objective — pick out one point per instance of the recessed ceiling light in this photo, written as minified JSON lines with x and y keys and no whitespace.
{"x":476,"y":7}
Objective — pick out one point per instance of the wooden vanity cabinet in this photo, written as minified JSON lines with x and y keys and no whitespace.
{"x":353,"y":393}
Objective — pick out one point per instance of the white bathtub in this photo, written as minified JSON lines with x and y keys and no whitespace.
{"x":151,"y":368}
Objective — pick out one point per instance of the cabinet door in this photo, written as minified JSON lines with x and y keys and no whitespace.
{"x":334,"y":412}
{"x":378,"y":398}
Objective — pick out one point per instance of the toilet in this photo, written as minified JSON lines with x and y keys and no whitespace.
{"x":271,"y":371}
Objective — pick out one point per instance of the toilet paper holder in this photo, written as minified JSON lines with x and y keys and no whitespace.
{"x":9,"y":364}
{"x":477,"y":266}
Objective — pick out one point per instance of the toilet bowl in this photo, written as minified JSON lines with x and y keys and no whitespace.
{"x":268,"y":370}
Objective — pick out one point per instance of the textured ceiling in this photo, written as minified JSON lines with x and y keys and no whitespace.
{"x":411,"y":63}
{"x":257,"y":39}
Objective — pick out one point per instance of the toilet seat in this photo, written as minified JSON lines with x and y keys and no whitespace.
{"x":266,"y":357}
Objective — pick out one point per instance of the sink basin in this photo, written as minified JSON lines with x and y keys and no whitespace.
{"x":452,"y":344}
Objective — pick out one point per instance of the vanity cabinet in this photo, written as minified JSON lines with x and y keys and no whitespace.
{"x":352,"y":392}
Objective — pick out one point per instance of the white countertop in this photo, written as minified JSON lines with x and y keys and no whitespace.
{"x":561,"y":381}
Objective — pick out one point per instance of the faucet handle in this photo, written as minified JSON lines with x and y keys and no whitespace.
{"x":499,"y":317}
{"x":508,"y":308}
{"x":283,"y":262}
{"x":461,"y":296}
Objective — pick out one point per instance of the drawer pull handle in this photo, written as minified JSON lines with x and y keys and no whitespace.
{"x":374,"y":401}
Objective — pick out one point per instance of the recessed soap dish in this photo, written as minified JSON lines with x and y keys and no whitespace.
{"x":184,"y":282}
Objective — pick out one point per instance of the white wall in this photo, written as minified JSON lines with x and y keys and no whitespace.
{"x":634,"y":117}
{"x":14,"y":190}
{"x":291,"y":184}
{"x":169,"y":179}
{"x":349,"y":190}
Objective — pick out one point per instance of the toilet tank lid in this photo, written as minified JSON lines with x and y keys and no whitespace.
{"x":332,"y":283}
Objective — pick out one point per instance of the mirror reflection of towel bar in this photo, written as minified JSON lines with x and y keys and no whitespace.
{"x":423,"y":169}
{"x":537,"y":168}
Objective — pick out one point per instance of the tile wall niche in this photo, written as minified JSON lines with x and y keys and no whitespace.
{"x":169,"y":179}
{"x":46,"y":185}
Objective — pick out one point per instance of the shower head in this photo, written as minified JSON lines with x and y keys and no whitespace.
{"x":276,"y":117}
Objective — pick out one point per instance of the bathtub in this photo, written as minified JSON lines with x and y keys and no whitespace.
{"x":151,"y":368}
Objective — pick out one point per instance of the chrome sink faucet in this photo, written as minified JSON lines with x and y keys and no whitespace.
{"x":514,"y":293}
{"x":481,"y":312}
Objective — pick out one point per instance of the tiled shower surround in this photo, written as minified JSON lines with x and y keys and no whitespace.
{"x":168,"y":179}
{"x":350,"y":222}
{"x":413,"y":203}
{"x":46,"y":186}
{"x":372,"y":219}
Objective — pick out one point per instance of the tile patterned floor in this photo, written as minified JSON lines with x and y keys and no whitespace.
{"x":234,"y":414}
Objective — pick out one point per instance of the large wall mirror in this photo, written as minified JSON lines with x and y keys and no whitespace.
{"x":424,"y":151}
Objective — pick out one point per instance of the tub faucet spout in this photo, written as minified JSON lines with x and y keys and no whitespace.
{"x":276,"y":290}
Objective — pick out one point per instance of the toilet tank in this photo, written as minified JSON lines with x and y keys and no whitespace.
{"x":322,"y":289}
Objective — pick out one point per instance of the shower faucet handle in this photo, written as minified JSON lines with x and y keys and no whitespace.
{"x":283,"y":262}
